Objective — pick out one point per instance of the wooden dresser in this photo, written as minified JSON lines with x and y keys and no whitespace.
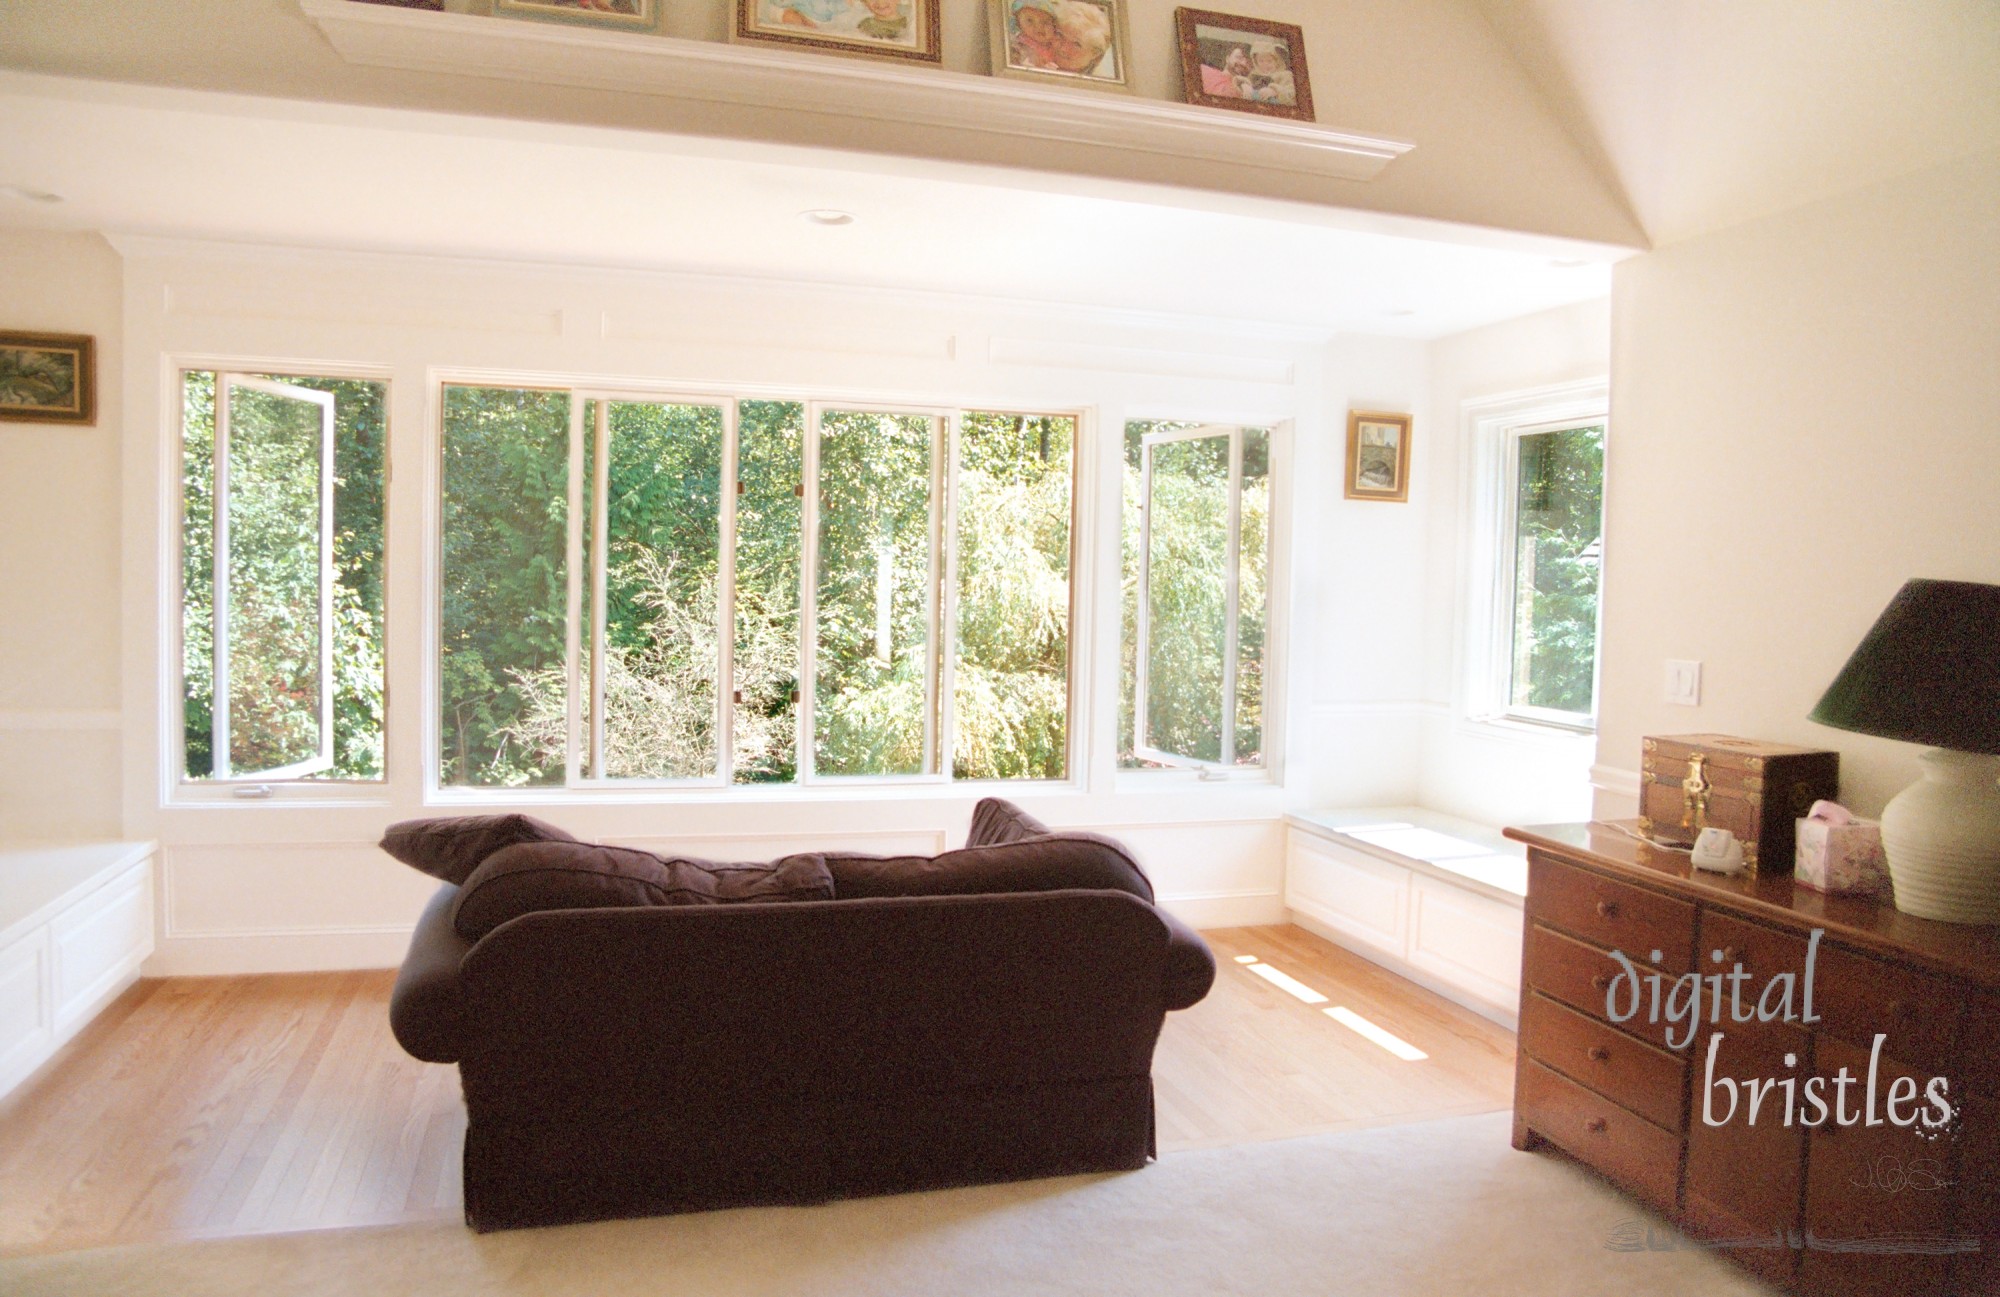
{"x":1854,"y":1210}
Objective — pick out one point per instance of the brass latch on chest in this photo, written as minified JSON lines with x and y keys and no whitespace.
{"x":1697,"y":787}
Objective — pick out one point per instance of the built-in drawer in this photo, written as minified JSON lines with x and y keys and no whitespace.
{"x":1857,"y":997}
{"x":1581,"y":976}
{"x":1633,"y":1152}
{"x":1649,"y":1081}
{"x":1615,"y":915}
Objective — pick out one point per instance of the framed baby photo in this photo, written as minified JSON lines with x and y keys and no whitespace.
{"x":1247,"y":65}
{"x":631,"y":15}
{"x":897,"y":29}
{"x":48,"y":377}
{"x":1081,"y":42}
{"x":1378,"y":456}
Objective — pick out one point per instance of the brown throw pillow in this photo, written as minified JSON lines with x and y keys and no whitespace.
{"x":451,"y":847}
{"x":1050,"y":863}
{"x":996,"y":820}
{"x":536,"y":876}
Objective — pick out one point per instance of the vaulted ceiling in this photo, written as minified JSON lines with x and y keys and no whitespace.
{"x":1708,"y":113}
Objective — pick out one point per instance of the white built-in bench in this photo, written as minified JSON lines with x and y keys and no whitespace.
{"x":75,"y":924}
{"x":1434,"y":898}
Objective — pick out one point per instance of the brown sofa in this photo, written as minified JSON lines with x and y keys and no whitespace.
{"x":982,"y":1015}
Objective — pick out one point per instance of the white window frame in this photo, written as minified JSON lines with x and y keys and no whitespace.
{"x":1494,"y":427}
{"x":943,"y":609}
{"x":175,"y":787}
{"x":1226,"y":767}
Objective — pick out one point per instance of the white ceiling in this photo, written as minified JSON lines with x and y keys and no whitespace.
{"x":1709,"y":113}
{"x":191,"y":164}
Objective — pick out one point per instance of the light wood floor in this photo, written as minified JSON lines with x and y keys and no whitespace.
{"x":200,"y":1107}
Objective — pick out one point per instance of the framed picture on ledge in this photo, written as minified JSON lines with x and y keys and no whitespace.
{"x":48,"y":377}
{"x":1247,"y":65}
{"x":897,"y":29}
{"x":1378,"y":456}
{"x":1082,"y":42}
{"x":631,"y":15}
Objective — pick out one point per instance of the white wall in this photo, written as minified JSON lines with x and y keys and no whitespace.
{"x":268,"y":886}
{"x":1807,"y":414}
{"x":1492,"y":774}
{"x":59,"y":556}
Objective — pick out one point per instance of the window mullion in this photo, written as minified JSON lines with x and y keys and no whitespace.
{"x":1141,"y":734}
{"x":808,"y":587}
{"x":600,"y":532}
{"x":725,"y":605}
{"x":573,"y":599}
{"x":1231,"y":596}
{"x":219,"y":578}
{"x":944,"y":585}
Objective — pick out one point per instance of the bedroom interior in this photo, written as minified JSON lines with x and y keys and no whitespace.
{"x":726,"y":450}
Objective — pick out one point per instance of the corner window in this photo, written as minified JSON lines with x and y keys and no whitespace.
{"x":1197,"y":538}
{"x":1541,"y":479}
{"x":281,"y":577}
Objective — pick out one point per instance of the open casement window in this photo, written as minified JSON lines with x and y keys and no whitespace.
{"x":1551,"y":522}
{"x":1199,"y":611}
{"x":272,"y":710}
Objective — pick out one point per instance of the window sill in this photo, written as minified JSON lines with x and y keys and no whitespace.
{"x":752,"y":794}
{"x":1512,"y":729}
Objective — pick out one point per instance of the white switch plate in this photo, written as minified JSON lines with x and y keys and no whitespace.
{"x":1683,"y":682}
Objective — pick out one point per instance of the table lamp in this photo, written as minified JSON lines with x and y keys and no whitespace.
{"x":1929,"y":672}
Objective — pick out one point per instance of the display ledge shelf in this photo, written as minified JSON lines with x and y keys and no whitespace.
{"x":710,"y":72}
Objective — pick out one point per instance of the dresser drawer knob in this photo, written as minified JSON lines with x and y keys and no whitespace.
{"x":1595,"y":1125}
{"x":1607,"y":909}
{"x":1601,"y":982}
{"x":1597,"y":1054}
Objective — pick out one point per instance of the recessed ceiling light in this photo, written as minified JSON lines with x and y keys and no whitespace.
{"x":827,"y":216}
{"x":30,"y":193}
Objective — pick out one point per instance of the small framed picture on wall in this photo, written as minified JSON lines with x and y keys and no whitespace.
{"x":48,"y":377}
{"x":1378,"y":456}
{"x":899,"y":29}
{"x":632,"y":15}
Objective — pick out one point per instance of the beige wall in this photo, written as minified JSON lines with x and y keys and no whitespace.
{"x":1806,"y":414}
{"x":59,"y":559}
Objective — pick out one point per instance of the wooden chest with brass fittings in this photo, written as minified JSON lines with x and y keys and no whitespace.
{"x":1756,"y":790}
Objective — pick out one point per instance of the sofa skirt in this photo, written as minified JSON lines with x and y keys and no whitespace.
{"x":688,"y":1157}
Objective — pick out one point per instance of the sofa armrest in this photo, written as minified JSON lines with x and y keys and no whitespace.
{"x":427,"y":1008}
{"x":1190,"y":963}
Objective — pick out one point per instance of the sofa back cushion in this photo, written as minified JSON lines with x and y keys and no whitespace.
{"x":535,"y":876}
{"x":1052,"y":862}
{"x":451,"y":847}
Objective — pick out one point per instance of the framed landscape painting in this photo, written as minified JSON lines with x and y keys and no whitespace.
{"x":48,"y":377}
{"x":1248,"y":65}
{"x":1378,"y":456}
{"x":1082,"y":42}
{"x":897,"y":29}
{"x":632,"y":15}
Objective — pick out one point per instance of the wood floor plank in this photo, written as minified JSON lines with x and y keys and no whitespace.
{"x":200,"y":1107}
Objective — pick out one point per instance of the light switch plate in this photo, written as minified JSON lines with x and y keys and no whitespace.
{"x":1683,"y":682}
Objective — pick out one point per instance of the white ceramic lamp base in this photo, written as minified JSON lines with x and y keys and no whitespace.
{"x":1942,"y":838}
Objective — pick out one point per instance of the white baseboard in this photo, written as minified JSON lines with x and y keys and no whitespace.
{"x":236,"y":954}
{"x":1246,"y":909}
{"x":1407,"y":972}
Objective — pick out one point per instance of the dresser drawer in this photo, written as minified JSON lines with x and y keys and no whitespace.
{"x":1580,"y":975}
{"x":1763,"y":952}
{"x":1612,"y":914}
{"x":1857,"y":996}
{"x":1649,"y":1081}
{"x":1748,"y":1170}
{"x":1629,"y":1150}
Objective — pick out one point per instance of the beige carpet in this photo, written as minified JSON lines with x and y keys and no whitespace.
{"x":1436,"y":1209}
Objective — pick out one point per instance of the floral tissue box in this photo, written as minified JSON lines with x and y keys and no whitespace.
{"x":1838,"y":852}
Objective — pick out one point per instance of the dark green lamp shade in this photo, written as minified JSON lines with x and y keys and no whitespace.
{"x":1928,"y":671}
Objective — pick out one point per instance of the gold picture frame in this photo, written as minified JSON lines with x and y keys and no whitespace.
{"x":48,"y":377}
{"x":1378,"y":456}
{"x":626,"y":15}
{"x":897,"y":29}
{"x":1073,"y":42}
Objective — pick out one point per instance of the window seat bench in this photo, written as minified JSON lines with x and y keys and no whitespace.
{"x":1433,"y":898}
{"x":76,"y":921}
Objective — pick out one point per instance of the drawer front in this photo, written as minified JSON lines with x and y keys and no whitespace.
{"x":1629,"y":1150}
{"x":1771,"y":1258}
{"x":1649,"y":1081}
{"x":1763,"y":952}
{"x":1580,"y":975}
{"x":1747,"y":1169}
{"x":1857,"y":996}
{"x":1612,"y":914}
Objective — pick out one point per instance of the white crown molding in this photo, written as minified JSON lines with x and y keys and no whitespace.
{"x":712,"y":72}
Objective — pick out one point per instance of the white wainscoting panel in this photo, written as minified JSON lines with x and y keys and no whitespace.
{"x":1470,"y":941}
{"x":1361,"y":897}
{"x":98,"y":945}
{"x":27,"y":1028}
